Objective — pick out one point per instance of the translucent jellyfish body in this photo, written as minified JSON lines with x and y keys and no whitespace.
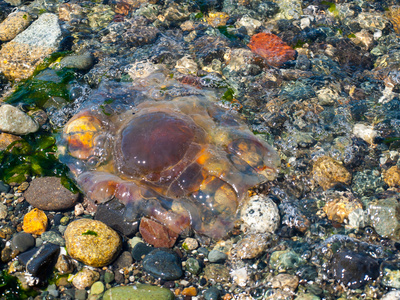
{"x":166,"y":151}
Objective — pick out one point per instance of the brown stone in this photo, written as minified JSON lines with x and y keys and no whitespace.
{"x":339,"y":209}
{"x":157,"y":234}
{"x":217,"y":273}
{"x":14,"y":24}
{"x":251,"y":246}
{"x":327,"y":172}
{"x":392,"y":177}
{"x":6,"y":139}
{"x":285,"y":282}
{"x":47,"y":193}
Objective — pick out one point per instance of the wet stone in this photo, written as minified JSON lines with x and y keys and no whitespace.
{"x":97,"y":288}
{"x":35,"y":222}
{"x":125,"y":260}
{"x":138,"y":292}
{"x":383,"y":216}
{"x":53,"y":237}
{"x":251,"y":246}
{"x":22,"y":241}
{"x":4,"y":187}
{"x":64,"y":264}
{"x":212,"y":293}
{"x":192,"y":266}
{"x":3,"y":211}
{"x":14,"y":24}
{"x":85,"y":278}
{"x":285,"y":260}
{"x":328,"y":172}
{"x":354,"y":269}
{"x":80,"y":62}
{"x":217,"y":273}
{"x":40,"y":261}
{"x":285,"y":281}
{"x":47,"y":193}
{"x":391,"y":276}
{"x":164,"y":264}
{"x":15,"y":121}
{"x":92,"y":242}
{"x":216,"y":256}
{"x":140,"y":250}
{"x":260,"y":214}
{"x":190,"y":244}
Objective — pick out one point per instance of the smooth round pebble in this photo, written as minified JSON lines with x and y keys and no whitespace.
{"x":92,"y":242}
{"x":47,"y":193}
{"x":216,"y":256}
{"x":212,"y":293}
{"x":260,"y":214}
{"x":192,"y":266}
{"x":97,"y":288}
{"x":164,"y":264}
{"x":22,"y":241}
{"x":138,"y":292}
{"x":85,"y":278}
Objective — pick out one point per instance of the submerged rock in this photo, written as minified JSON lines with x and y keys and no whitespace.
{"x":138,"y":292}
{"x":15,"y":121}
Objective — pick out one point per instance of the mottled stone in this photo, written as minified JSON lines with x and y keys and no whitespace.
{"x":64,"y":264}
{"x":190,"y":244}
{"x":216,"y":256}
{"x":35,"y":222}
{"x":327,"y":172}
{"x":338,"y":210}
{"x":365,"y":132}
{"x":19,"y":58}
{"x":47,"y":193}
{"x":15,"y":121}
{"x":85,"y":278}
{"x":217,"y":273}
{"x":138,"y":292}
{"x":217,"y":19}
{"x":392,"y":177}
{"x":14,"y":24}
{"x":92,"y":242}
{"x":260,"y":215}
{"x":285,"y":281}
{"x":251,"y":246}
{"x":384,"y":216}
{"x":81,"y":62}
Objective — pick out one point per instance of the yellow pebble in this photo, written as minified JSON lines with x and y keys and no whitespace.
{"x":189,"y":291}
{"x":35,"y":222}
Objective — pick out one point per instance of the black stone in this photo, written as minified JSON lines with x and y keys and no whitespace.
{"x":40,"y":261}
{"x":212,"y":294}
{"x":354,"y":269}
{"x":140,"y":250}
{"x":164,"y":264}
{"x":113,"y":214}
{"x":22,"y":241}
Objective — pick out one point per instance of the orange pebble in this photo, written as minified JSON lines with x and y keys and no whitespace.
{"x":227,"y":297}
{"x":35,"y":222}
{"x":190,"y":291}
{"x":177,"y":292}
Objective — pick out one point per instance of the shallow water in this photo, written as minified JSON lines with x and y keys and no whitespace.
{"x":331,"y":111}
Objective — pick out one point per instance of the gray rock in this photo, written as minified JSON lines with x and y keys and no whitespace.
{"x":216,"y":256}
{"x":53,"y":237}
{"x":80,"y":62}
{"x":164,"y":264}
{"x":22,"y":241}
{"x":15,"y":121}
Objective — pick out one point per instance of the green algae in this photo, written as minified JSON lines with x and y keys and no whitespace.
{"x":89,"y":232}
{"x":11,"y":289}
{"x":34,"y":155}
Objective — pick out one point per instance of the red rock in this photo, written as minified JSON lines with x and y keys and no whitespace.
{"x":270,"y":47}
{"x":157,"y":234}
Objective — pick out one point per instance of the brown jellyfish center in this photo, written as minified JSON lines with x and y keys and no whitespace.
{"x":154,"y":142}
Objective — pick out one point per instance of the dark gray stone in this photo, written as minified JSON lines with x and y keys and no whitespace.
{"x":164,"y":264}
{"x":22,"y":241}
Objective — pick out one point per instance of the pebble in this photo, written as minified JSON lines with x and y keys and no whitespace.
{"x":383,"y":217}
{"x":19,"y":57}
{"x":138,"y":292}
{"x":53,"y":237}
{"x":393,"y":295}
{"x":22,"y":241}
{"x":240,"y":276}
{"x":157,"y":234}
{"x":353,"y":269}
{"x":327,"y":172}
{"x":97,"y":288}
{"x":14,"y":24}
{"x":190,"y":244}
{"x":111,"y":213}
{"x":192,"y":266}
{"x":92,"y":242}
{"x":4,"y":187}
{"x":164,"y":264}
{"x":212,"y":293}
{"x":365,"y":132}
{"x":35,"y":222}
{"x":217,"y":273}
{"x":125,"y":260}
{"x":392,"y":176}
{"x":15,"y":121}
{"x":47,"y":193}
{"x":108,"y":277}
{"x":140,"y":250}
{"x":189,"y":291}
{"x":3,"y":211}
{"x":80,"y":62}
{"x":338,"y":210}
{"x":64,"y":265}
{"x":216,"y":256}
{"x":260,"y":215}
{"x":40,"y":261}
{"x":85,"y":278}
{"x":251,"y":246}
{"x":285,"y":281}
{"x":285,"y":260}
